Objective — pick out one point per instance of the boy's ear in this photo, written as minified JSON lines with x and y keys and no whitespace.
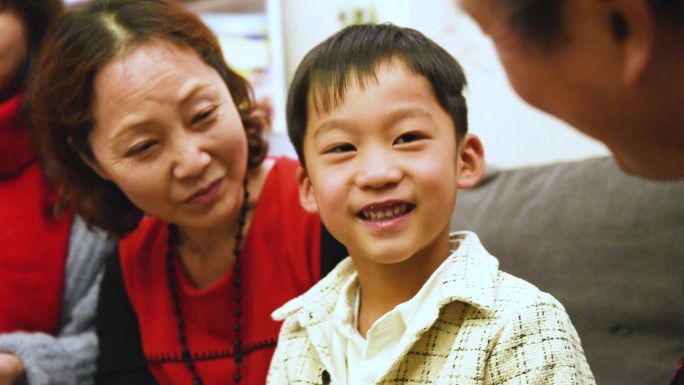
{"x":470,"y":162}
{"x":633,"y":26}
{"x":306,"y":192}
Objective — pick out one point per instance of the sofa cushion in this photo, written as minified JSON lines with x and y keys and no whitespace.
{"x":608,"y":245}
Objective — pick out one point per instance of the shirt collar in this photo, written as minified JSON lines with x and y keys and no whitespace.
{"x":468,"y":275}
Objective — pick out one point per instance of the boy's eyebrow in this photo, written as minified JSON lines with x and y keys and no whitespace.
{"x":396,"y":115}
{"x":403,"y":113}
{"x":327,"y":126}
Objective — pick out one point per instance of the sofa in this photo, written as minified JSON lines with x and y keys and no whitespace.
{"x":608,"y":246}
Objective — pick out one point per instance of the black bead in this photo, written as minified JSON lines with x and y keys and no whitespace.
{"x":325,"y":377}
{"x":172,"y":240}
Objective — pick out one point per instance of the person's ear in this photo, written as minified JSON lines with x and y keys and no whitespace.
{"x":471,"y":163}
{"x":307,"y":196}
{"x":633,"y":26}
{"x":91,"y":163}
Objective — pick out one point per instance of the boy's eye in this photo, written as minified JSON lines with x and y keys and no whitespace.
{"x":140,"y":149}
{"x":408,"y":138}
{"x":340,"y":148}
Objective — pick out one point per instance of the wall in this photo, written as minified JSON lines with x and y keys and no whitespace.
{"x":513,"y":133}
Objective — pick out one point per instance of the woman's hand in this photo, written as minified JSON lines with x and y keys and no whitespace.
{"x":11,"y":370}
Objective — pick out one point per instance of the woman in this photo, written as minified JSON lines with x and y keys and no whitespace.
{"x":50,"y":265}
{"x":142,"y":115}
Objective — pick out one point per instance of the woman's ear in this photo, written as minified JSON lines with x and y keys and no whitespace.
{"x":307,"y":196}
{"x":90,"y":162}
{"x":471,"y":162}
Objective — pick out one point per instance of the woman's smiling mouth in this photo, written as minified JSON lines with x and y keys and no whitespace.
{"x":205,"y":195}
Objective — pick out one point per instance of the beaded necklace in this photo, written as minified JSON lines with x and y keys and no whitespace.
{"x":172,"y":242}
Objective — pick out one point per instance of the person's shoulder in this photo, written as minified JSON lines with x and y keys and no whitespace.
{"x":515,"y":293}
{"x":286,"y":161}
{"x":510,"y":292}
{"x":280,"y":191}
{"x":285,"y":166}
{"x":146,"y":237}
{"x":317,"y":303}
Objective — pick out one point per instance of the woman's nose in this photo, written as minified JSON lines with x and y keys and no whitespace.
{"x":191,"y":160}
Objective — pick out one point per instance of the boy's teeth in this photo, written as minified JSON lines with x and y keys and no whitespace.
{"x":388,"y":212}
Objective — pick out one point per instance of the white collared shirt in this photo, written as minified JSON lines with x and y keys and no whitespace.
{"x":358,"y":360}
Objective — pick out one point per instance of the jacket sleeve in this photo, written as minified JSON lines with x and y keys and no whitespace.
{"x":539,"y":345}
{"x":69,"y":357}
{"x":121,"y":360}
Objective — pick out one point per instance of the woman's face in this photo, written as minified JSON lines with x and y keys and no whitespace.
{"x":13,"y":47}
{"x":169,"y":135}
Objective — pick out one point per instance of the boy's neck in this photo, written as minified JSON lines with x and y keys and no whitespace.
{"x":383,"y":287}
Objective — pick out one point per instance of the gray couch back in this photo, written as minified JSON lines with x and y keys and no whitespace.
{"x":608,"y":245}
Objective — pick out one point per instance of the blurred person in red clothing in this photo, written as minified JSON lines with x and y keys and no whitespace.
{"x":50,"y":264}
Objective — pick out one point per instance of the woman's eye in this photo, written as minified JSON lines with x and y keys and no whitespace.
{"x":408,"y":138}
{"x":341,"y":148}
{"x":140,"y":149}
{"x":203,"y":116}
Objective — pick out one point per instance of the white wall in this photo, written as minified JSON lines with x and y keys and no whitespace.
{"x":513,"y":133}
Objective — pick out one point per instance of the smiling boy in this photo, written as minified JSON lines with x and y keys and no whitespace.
{"x":378,"y":119}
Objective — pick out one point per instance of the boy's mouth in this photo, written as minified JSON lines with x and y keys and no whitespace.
{"x":385,"y":212}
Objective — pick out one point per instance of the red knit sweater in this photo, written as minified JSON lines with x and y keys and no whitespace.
{"x":34,"y":246}
{"x":280,"y":258}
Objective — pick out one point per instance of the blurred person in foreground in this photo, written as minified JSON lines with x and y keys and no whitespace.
{"x":612,"y":69}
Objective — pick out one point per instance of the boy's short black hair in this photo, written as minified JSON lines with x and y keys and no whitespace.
{"x":353,"y":54}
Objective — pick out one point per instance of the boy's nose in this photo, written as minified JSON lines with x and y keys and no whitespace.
{"x":377,"y":170}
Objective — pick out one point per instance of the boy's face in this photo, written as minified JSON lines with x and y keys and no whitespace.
{"x":382,"y":169}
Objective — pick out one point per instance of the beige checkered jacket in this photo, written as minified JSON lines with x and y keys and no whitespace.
{"x":489,"y":328}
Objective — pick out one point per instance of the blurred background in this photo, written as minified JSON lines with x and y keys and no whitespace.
{"x":264,"y":40}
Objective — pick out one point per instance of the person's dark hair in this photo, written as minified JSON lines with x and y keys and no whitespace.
{"x":353,"y":55}
{"x":669,"y":10}
{"x":537,"y":21}
{"x":541,"y":21}
{"x":80,"y":43}
{"x":36,"y":16}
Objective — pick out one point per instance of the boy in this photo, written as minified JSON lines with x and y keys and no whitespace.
{"x":378,"y":120}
